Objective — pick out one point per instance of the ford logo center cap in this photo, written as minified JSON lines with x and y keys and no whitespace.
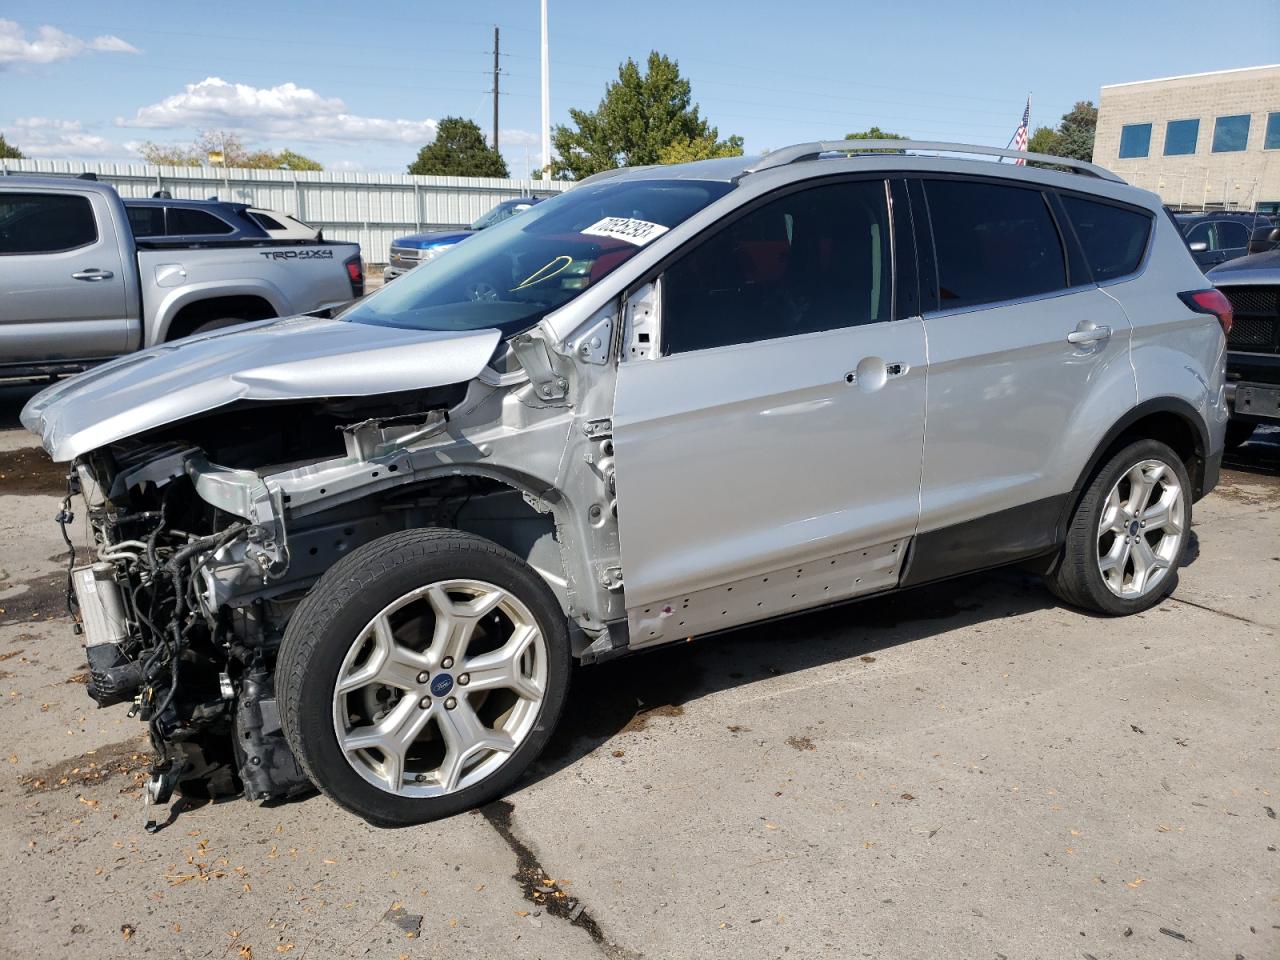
{"x":441,"y":684}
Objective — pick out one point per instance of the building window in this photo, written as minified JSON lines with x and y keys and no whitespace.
{"x":1180,"y":137}
{"x":1272,"y":140}
{"x":1135,"y":140}
{"x":1230,"y":134}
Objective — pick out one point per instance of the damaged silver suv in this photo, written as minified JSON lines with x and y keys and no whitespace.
{"x":364,"y":551}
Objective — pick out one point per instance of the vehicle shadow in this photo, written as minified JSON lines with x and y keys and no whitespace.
{"x":13,"y":397}
{"x":621,"y":696}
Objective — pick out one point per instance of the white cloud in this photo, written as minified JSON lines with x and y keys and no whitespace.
{"x":287,"y":111}
{"x":50,"y":44}
{"x":518,"y":138}
{"x":44,"y":138}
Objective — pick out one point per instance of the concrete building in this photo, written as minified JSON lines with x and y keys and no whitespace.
{"x":1201,"y":141}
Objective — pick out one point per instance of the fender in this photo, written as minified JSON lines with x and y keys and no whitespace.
{"x":176,"y":299}
{"x":1174,"y":405}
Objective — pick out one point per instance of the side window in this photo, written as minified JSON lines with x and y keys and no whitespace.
{"x":146,"y":221}
{"x":1232,"y":234}
{"x":45,"y":223}
{"x":185,"y":222}
{"x":993,"y":242}
{"x":1113,"y":238}
{"x":816,"y":259}
{"x":266,"y":222}
{"x":1201,"y":233}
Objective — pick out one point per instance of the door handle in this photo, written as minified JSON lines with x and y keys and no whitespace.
{"x":1089,"y":335}
{"x":92,"y":274}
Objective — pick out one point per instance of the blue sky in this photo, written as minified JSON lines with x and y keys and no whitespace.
{"x":359,"y":87}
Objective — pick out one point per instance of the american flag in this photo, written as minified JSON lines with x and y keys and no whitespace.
{"x":1020,"y":136}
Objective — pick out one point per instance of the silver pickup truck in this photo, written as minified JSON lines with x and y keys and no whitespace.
{"x":79,"y":289}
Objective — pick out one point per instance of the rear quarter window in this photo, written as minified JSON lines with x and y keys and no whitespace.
{"x":266,"y":222}
{"x":184,"y":222}
{"x":1113,"y":238}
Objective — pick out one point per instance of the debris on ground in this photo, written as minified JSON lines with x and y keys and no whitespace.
{"x":409,"y":923}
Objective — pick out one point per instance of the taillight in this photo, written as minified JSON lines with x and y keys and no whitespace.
{"x":1212,"y":302}
{"x":355,"y":273}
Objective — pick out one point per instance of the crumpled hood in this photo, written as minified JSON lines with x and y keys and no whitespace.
{"x":296,"y":358}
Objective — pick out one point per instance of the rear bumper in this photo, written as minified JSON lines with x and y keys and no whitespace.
{"x":1251,"y":380}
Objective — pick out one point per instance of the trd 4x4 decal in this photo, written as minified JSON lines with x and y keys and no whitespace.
{"x":297,"y":254}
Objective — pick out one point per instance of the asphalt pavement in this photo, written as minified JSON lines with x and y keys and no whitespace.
{"x":968,"y":770}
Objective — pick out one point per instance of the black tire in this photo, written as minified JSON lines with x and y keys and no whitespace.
{"x":1238,"y":433}
{"x":339,"y":606}
{"x":220,"y":323}
{"x":1077,"y":579}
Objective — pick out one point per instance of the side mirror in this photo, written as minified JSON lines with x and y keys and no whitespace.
{"x":1263,"y":239}
{"x":1198,"y":247}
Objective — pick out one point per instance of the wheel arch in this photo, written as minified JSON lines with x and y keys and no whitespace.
{"x":1172,"y":421}
{"x":514,"y":509}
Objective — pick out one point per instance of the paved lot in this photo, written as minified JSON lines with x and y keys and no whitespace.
{"x":966,"y":771}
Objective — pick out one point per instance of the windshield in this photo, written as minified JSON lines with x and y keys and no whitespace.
{"x":513,"y":274}
{"x":499,"y":213}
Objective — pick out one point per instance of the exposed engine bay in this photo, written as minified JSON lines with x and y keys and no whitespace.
{"x":208,"y":532}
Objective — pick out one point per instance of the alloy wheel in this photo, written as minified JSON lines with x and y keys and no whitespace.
{"x":1141,"y":529}
{"x":440,"y":688}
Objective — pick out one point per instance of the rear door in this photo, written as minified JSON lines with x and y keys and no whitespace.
{"x":1022,"y":348}
{"x":62,"y":270}
{"x":1232,"y":239}
{"x":768,"y":458}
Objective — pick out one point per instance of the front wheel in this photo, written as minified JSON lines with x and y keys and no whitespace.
{"x":421,"y":675}
{"x":1128,"y":534}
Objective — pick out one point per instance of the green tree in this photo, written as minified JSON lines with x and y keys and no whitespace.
{"x":642,"y":114}
{"x":232,"y":149}
{"x":169,"y":154}
{"x":1076,"y":131}
{"x":705,"y":148}
{"x":1044,"y":140}
{"x":284,"y":160}
{"x":875,"y":133}
{"x":8,"y":151}
{"x":459,"y":150}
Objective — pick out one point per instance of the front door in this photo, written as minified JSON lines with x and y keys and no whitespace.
{"x":768,"y":454}
{"x":63,"y":278}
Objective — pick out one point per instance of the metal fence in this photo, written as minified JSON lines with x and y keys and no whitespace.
{"x":368,"y":208}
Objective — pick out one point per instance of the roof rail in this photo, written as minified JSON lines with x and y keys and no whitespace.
{"x":813,"y":151}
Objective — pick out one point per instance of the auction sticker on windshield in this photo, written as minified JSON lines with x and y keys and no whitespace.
{"x":638,"y":232}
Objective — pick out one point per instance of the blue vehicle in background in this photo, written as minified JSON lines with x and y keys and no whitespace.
{"x":409,"y":252}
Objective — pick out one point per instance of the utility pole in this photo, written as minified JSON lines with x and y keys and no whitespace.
{"x":546,"y":98}
{"x":495,"y":89}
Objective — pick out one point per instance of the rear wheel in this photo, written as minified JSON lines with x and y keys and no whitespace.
{"x":1128,"y":534}
{"x":1238,"y":433}
{"x":422,"y":675}
{"x":218,"y":324}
